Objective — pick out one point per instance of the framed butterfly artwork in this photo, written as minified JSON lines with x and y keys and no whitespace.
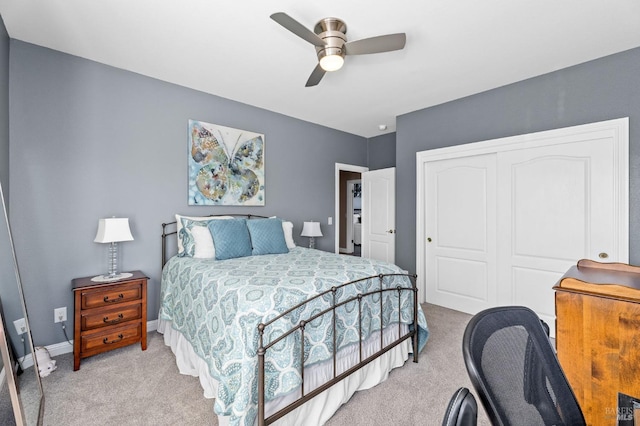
{"x":226,"y":166}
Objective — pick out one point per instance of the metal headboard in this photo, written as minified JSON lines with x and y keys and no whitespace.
{"x":170,"y":228}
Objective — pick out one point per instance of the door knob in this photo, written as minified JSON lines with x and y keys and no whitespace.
{"x":429,"y":239}
{"x":391,"y":231}
{"x":603,"y":255}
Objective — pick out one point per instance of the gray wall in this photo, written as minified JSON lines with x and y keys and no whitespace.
{"x":4,"y":109}
{"x":381,"y":151}
{"x":9,"y":295}
{"x":599,"y":90}
{"x":90,"y":141}
{"x":8,"y":290}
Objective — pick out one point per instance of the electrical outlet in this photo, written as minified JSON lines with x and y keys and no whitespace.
{"x":21,"y":326}
{"x":60,"y":314}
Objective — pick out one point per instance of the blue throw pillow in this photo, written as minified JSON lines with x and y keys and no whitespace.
{"x":231,"y":238}
{"x":267,"y":236}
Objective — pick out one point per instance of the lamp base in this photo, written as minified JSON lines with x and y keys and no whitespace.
{"x":108,"y":278}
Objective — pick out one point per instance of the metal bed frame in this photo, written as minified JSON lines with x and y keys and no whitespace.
{"x":331,"y":310}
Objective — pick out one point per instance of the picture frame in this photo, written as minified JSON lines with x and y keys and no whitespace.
{"x":226,"y":166}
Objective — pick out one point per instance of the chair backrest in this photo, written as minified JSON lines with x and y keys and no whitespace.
{"x":515,"y":371}
{"x":462,"y":409}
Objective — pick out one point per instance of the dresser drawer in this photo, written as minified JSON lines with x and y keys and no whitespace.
{"x":110,"y":296}
{"x":111,"y":338}
{"x":92,"y":320}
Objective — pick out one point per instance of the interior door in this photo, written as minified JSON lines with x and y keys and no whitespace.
{"x":461,"y":232}
{"x":559,"y":207}
{"x":379,"y":214}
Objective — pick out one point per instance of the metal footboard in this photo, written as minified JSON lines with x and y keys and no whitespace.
{"x":331,"y":310}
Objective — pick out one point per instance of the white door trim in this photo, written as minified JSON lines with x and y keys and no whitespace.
{"x":618,"y":127}
{"x":339,"y":168}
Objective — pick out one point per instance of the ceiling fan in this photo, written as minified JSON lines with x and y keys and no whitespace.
{"x":329,"y":38}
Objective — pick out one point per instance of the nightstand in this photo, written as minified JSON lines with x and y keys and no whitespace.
{"x":108,"y":315}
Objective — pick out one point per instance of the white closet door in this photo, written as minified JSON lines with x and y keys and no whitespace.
{"x":508,"y":217}
{"x":558,"y":206}
{"x":461,"y":232}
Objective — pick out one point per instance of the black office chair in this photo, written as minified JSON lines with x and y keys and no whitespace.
{"x":462,"y":409}
{"x":515,"y":371}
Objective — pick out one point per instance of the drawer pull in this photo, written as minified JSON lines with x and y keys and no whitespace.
{"x":107,"y":342}
{"x":106,"y":320}
{"x":120,"y":297}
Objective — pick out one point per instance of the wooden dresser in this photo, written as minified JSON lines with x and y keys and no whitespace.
{"x":108,"y":315}
{"x":598,"y":335}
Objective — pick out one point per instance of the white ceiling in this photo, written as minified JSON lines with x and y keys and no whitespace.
{"x":232,"y":49}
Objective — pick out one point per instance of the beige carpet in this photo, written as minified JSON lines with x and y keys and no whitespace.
{"x":131,"y":387}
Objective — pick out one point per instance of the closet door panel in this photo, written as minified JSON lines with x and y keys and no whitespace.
{"x":558,"y":207}
{"x":461,"y":233}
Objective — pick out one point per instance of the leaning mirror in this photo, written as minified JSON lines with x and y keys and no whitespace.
{"x":21,"y":397}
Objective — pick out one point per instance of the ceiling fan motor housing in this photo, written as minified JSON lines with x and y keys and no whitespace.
{"x":332,"y":31}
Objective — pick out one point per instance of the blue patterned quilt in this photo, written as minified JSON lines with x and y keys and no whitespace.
{"x":217,"y":306}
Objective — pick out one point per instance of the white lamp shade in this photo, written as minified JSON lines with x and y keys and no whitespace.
{"x":311,"y":229}
{"x":113,"y":230}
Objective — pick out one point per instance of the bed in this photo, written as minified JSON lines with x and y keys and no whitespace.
{"x":284,"y":334}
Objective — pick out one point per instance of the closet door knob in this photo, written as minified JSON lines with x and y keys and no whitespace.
{"x":603,"y":255}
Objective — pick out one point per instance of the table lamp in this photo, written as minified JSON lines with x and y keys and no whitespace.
{"x":113,"y":230}
{"x":311,"y":230}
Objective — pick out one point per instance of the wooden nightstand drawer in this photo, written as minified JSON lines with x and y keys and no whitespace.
{"x":92,"y":320}
{"x":113,"y":338}
{"x":110,"y":296}
{"x":108,"y":315}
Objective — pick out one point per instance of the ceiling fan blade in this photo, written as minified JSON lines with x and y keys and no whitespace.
{"x":315,"y":76}
{"x":297,"y":28}
{"x":379,"y":44}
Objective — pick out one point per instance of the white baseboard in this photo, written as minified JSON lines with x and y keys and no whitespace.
{"x":65,"y":348}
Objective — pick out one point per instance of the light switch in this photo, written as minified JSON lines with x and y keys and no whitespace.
{"x":330,"y":221}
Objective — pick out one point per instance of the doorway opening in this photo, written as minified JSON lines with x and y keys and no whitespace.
{"x":348,"y":196}
{"x":353,"y":223}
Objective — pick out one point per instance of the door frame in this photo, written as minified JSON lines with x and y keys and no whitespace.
{"x":338,"y":168}
{"x":619,"y":128}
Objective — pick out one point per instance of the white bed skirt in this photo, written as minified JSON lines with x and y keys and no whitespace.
{"x":324,"y":405}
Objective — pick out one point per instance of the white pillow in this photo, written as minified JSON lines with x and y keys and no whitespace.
{"x":204,"y":239}
{"x":287,"y":227}
{"x":204,"y":248}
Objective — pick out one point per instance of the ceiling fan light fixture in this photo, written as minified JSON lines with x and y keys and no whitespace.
{"x":330,"y":41}
{"x":331,"y":62}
